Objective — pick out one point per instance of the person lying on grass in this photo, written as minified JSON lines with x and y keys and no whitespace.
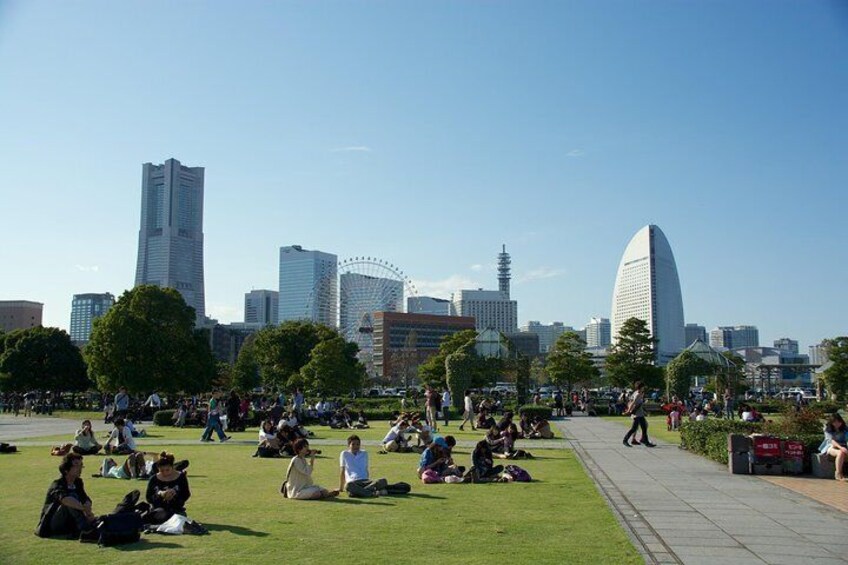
{"x":131,"y":468}
{"x":354,"y":474}
{"x":299,"y":485}
{"x":167,"y":490}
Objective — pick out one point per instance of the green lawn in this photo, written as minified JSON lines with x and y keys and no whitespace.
{"x":558,"y":518}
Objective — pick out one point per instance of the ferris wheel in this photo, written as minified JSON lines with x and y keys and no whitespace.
{"x":349,"y":299}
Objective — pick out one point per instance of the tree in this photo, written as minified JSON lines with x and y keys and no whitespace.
{"x":836,"y":376}
{"x":147,"y":341}
{"x":568,"y":363}
{"x":433,"y":372}
{"x":538,"y":371}
{"x":42,"y":359}
{"x":246,"y":370}
{"x":632,"y":357}
{"x":681,"y":369}
{"x":282,"y":351}
{"x":333,"y":368}
{"x":459,"y":367}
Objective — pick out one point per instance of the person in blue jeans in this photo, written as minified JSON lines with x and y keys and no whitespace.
{"x":636,"y":410}
{"x":213,"y":420}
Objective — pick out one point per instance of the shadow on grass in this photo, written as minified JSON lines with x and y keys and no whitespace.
{"x":237,"y":530}
{"x":421,"y":495}
{"x":371,"y":501}
{"x":147,"y":544}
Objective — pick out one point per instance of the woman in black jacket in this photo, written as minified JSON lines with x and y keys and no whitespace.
{"x":167,"y":491}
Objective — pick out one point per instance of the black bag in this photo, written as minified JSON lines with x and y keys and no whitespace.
{"x":8,"y":448}
{"x":119,"y":529}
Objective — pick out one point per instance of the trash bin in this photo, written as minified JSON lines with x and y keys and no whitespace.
{"x":738,"y":447}
{"x":793,"y":453}
{"x":765,"y":457}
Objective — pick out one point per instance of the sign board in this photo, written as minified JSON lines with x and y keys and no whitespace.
{"x":793,"y":450}
{"x":766,"y":447}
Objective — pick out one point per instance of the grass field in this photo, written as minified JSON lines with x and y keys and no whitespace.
{"x":557,"y":518}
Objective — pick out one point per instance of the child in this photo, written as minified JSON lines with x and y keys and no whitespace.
{"x":674,"y":418}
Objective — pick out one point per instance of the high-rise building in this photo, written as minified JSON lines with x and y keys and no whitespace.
{"x":262,"y":307}
{"x":85,"y":308}
{"x":734,"y":337}
{"x":19,"y":314}
{"x":428,"y":305}
{"x":786,"y":344}
{"x":647,"y":287}
{"x":170,"y":240}
{"x":818,"y":354}
{"x":694,"y":332}
{"x":598,"y":332}
{"x":489,"y":308}
{"x":548,"y":333}
{"x":363,"y":295}
{"x":308,"y":285}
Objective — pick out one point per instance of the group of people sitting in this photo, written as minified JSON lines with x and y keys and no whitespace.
{"x":68,"y":510}
{"x":121,"y":439}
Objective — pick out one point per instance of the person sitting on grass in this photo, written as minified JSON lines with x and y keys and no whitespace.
{"x":84,"y":441}
{"x":180,"y":415}
{"x":423,"y":433}
{"x":484,"y":421}
{"x":269,"y":442}
{"x":438,"y":459}
{"x":835,"y":443}
{"x":505,"y":421}
{"x":286,"y":437}
{"x":495,"y":441}
{"x":362,"y":421}
{"x":525,"y":425}
{"x":354,"y":474}
{"x":483,"y":469}
{"x":122,"y":439}
{"x":541,"y":429}
{"x":509,"y":436}
{"x":167,"y":490}
{"x":298,"y":484}
{"x":132,"y":468}
{"x":396,"y":439}
{"x":67,"y":507}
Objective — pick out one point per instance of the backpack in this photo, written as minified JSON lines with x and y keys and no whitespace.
{"x":518,"y":474}
{"x":430,"y":476}
{"x":8,"y":448}
{"x":120,"y":529}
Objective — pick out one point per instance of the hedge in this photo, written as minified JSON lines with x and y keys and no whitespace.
{"x":163,"y":418}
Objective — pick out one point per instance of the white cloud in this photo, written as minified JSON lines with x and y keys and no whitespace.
{"x":575,"y":153}
{"x":225,"y":314}
{"x":539,"y":274}
{"x":353,"y":149}
{"x":443,"y":288}
{"x":87,"y":269}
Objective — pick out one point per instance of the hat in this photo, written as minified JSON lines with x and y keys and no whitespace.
{"x":440,"y":441}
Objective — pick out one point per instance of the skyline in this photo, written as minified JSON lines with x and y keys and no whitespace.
{"x":559,"y":131}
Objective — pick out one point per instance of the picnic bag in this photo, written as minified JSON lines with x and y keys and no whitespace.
{"x":430,"y":476}
{"x":518,"y":474}
{"x":119,"y":529}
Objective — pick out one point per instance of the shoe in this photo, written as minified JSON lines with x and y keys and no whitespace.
{"x":649,"y":444}
{"x":636,"y":442}
{"x":226,"y":438}
{"x":89,"y":536}
{"x":205,"y":440}
{"x":626,"y":443}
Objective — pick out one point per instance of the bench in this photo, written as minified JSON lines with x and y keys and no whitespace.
{"x":824,"y":465}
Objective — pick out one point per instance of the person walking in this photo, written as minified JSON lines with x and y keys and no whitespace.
{"x":446,"y":405}
{"x":213,"y":420}
{"x":729,"y":408}
{"x":636,"y":409}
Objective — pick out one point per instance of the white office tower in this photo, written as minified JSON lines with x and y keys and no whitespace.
{"x":308,"y":286}
{"x":262,"y":307}
{"x":489,"y":308}
{"x":170,"y":241}
{"x":598,"y":332}
{"x":362,"y":296}
{"x":647,"y":287}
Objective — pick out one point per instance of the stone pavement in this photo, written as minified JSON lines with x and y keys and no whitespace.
{"x":12,"y":428}
{"x":679,"y":507}
{"x":832,"y":493}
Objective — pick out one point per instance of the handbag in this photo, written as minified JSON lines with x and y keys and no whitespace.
{"x":284,"y":487}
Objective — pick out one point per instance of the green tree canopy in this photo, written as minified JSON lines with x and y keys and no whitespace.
{"x":568,"y":363}
{"x":41,"y":359}
{"x":333,"y":368}
{"x":681,"y":369}
{"x":433,"y":372}
{"x":147,"y":341}
{"x":632,"y":357}
{"x":282,"y":351}
{"x":246,"y":369}
{"x":836,"y":376}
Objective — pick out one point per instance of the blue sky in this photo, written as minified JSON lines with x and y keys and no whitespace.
{"x":428,"y":134}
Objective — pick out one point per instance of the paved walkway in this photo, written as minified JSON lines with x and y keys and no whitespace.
{"x":682,"y":508}
{"x":12,"y":428}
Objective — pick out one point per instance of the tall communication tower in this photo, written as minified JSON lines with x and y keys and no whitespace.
{"x":504,"y":275}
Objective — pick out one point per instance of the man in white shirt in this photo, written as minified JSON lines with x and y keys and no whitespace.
{"x":154,"y":401}
{"x":354,"y":477}
{"x":468,"y":415}
{"x":446,"y":404}
{"x":121,"y":438}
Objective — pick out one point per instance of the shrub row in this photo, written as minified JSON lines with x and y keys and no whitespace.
{"x":535,"y":410}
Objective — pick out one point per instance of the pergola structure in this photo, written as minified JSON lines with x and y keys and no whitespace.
{"x":721,"y":365}
{"x":773,"y":375}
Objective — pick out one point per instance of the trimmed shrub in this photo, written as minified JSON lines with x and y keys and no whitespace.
{"x":534,"y":410}
{"x":163,"y":418}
